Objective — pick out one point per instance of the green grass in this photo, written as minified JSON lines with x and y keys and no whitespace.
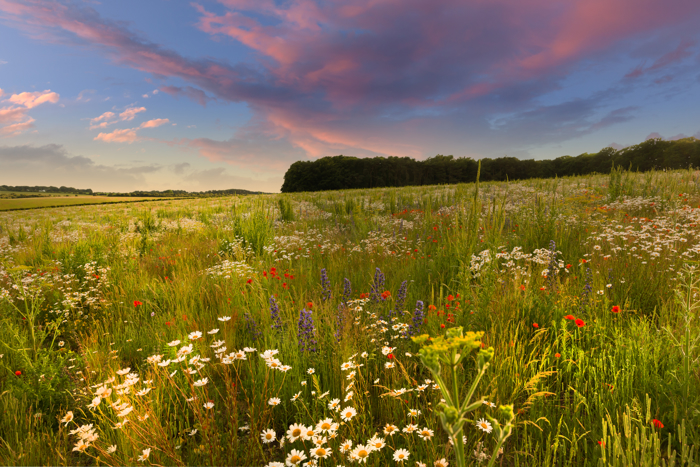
{"x":55,"y":201}
{"x":90,"y":290}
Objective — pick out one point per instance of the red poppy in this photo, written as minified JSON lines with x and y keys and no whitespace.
{"x":364,"y":295}
{"x":522,"y":287}
{"x":580,"y":323}
{"x":390,"y":356}
{"x":137,"y":303}
{"x":432,"y":307}
{"x":386,"y":294}
{"x":450,"y":298}
{"x":657,"y":424}
{"x":557,"y":355}
{"x":568,"y":266}
{"x":310,"y":305}
{"x":18,"y":373}
{"x":535,"y":325}
{"x":601,"y":443}
{"x":569,"y":317}
{"x":249,"y":281}
{"x":167,"y":323}
{"x":616,"y":309}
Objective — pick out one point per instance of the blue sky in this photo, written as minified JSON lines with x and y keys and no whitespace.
{"x":163,"y":94}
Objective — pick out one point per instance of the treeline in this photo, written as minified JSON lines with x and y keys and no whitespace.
{"x":180,"y":193}
{"x":342,"y":172}
{"x":45,"y":189}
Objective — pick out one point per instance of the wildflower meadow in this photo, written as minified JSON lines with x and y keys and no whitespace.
{"x":538,"y":323}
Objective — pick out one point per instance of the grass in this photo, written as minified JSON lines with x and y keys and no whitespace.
{"x":582,"y":289}
{"x":7,"y":204}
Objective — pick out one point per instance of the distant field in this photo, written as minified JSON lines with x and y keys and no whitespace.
{"x":50,"y":201}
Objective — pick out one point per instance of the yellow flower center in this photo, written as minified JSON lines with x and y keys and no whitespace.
{"x":295,"y":459}
{"x":268,"y":436}
{"x":325,"y":426}
{"x":362,"y":453}
{"x":320,"y":452}
{"x":348,"y":414}
{"x":296,"y":432}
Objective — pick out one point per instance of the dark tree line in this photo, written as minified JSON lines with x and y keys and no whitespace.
{"x":341,"y":172}
{"x":45,"y":189}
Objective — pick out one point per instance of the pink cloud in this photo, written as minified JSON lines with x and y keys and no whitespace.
{"x":16,"y":115}
{"x":32,"y":99}
{"x":12,"y":114}
{"x":127,"y":135}
{"x":130,"y":113}
{"x":154,"y":123}
{"x":102,"y":121}
{"x":17,"y":128}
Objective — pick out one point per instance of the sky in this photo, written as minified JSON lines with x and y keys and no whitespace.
{"x":166,"y":94}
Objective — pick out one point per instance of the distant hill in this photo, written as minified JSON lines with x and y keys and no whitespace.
{"x":342,"y":172}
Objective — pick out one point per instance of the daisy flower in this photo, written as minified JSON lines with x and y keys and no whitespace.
{"x":346,"y":446}
{"x":484,"y":425}
{"x":321,"y":452}
{"x":268,"y":436}
{"x":209,"y":405}
{"x":307,"y":433}
{"x":274,"y":401}
{"x":295,"y":432}
{"x":348,"y":413}
{"x":334,"y":404}
{"x":295,"y":457}
{"x":426,"y":434}
{"x":410,"y":428}
{"x":326,"y":425}
{"x":173,"y":343}
{"x":67,"y":418}
{"x":144,"y":455}
{"x":112,"y":449}
{"x":296,"y":396}
{"x":401,"y":455}
{"x":223,"y":319}
{"x":201,"y":382}
{"x":360,"y":454}
{"x":213,"y":331}
{"x":441,"y":463}
{"x":311,"y":371}
{"x":389,"y":430}
{"x":389,"y":365}
{"x":414,"y":412}
{"x":376,"y":443}
{"x":193,"y":336}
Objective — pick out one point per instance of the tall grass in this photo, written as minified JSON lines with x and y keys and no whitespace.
{"x":572,"y":282}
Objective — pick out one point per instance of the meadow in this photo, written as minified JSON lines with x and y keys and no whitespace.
{"x":284,"y":330}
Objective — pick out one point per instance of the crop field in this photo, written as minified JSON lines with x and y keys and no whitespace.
{"x":538,"y":323}
{"x":54,"y":200}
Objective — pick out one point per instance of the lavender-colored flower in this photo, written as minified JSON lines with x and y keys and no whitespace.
{"x":375,"y":293}
{"x":275,"y":314}
{"x":251,"y":326}
{"x":417,"y":322}
{"x":306,"y":332}
{"x":347,"y":290}
{"x":326,"y":284}
{"x":401,"y":297}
